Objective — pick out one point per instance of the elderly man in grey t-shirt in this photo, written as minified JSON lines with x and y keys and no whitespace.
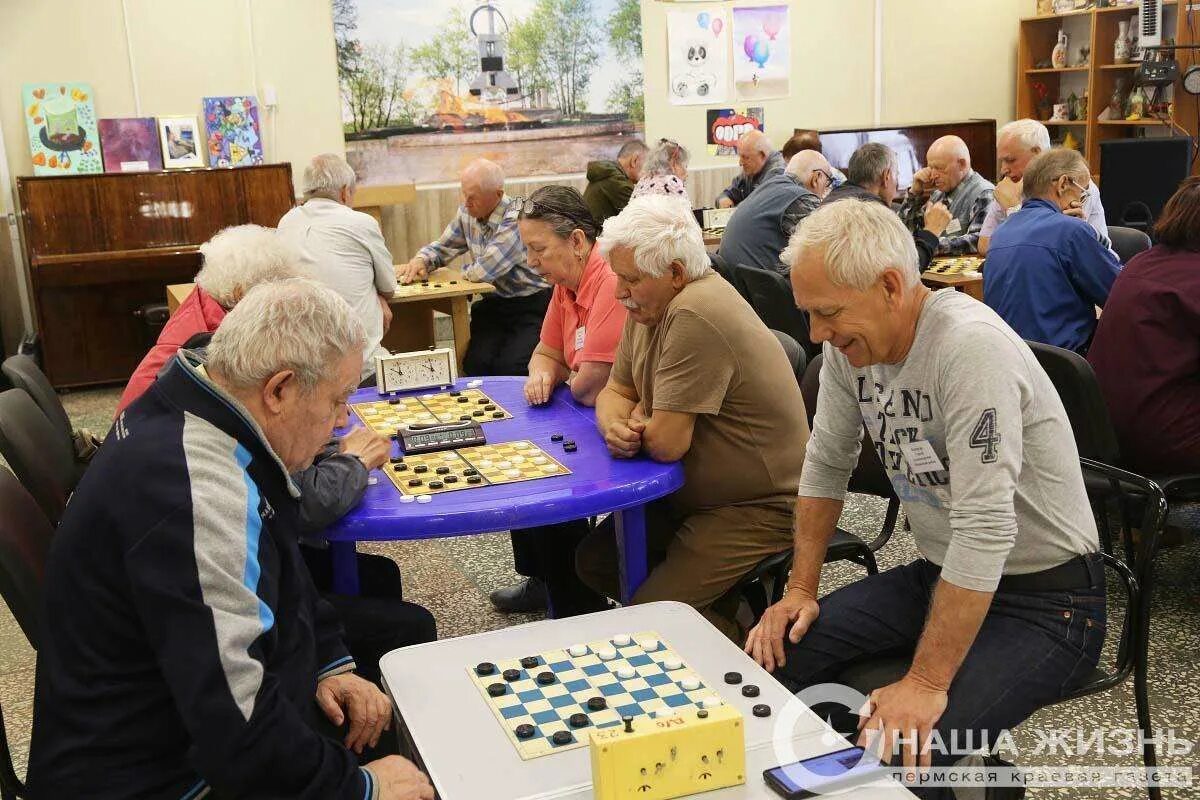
{"x":1005,"y":608}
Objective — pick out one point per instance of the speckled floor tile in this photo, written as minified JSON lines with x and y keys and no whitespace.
{"x":452,"y":577}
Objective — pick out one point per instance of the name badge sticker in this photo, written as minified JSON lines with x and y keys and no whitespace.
{"x":580,"y":334}
{"x":921,"y":457}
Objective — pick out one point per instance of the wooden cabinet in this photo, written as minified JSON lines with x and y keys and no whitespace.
{"x":100,"y":247}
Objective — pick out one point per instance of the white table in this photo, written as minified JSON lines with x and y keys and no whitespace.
{"x":461,"y":746}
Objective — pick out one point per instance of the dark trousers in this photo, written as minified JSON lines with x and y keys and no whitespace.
{"x":548,"y":552}
{"x":504,"y":331}
{"x":1032,"y":650}
{"x":377,"y":620}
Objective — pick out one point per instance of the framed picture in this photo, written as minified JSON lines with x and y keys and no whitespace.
{"x":61,"y":121}
{"x":180,"y":139}
{"x":231,"y":127}
{"x":130,"y":145}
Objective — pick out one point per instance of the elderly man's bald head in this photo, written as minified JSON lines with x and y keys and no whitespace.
{"x":482,"y":187}
{"x":754,"y":148}
{"x":812,"y":170}
{"x":949,"y":160}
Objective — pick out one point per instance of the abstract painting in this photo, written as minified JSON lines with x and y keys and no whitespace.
{"x":761,"y":52}
{"x":231,"y":125}
{"x":698,"y":57}
{"x":180,"y":139}
{"x":61,"y":121}
{"x":130,"y":144}
{"x":726,"y":125}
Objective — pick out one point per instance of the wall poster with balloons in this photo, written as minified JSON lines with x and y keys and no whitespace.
{"x":698,"y":57}
{"x":762,"y":52}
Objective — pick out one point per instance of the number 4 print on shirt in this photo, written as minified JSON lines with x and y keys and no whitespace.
{"x":985,"y":437}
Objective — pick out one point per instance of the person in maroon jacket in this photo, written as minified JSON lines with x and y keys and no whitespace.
{"x":1146,"y":352}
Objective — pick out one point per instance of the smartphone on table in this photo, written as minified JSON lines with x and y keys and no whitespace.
{"x":841,"y":769}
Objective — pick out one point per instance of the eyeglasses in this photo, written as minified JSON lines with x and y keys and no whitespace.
{"x":826,"y":175}
{"x":1084,"y":191}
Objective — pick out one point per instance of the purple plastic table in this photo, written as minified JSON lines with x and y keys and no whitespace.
{"x":597,"y":484}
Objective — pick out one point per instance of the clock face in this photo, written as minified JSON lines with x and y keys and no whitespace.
{"x":415,"y":370}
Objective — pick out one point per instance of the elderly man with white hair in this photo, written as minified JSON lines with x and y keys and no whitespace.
{"x":1003,"y":613}
{"x":948,"y":178}
{"x":761,"y":226}
{"x":1016,"y":145}
{"x":343,"y":248}
{"x":697,"y":378}
{"x":233,"y":262}
{"x":505,"y":325}
{"x":759,"y":160}
{"x":180,"y":628}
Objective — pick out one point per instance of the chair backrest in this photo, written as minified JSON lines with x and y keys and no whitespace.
{"x":869,"y":476}
{"x":36,"y":452}
{"x":1127,"y":242}
{"x":795,"y":353}
{"x":25,"y":536}
{"x":1076,"y":383}
{"x":770,"y":294}
{"x":23,"y":372}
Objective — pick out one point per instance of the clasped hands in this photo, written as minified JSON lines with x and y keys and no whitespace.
{"x":624,"y":436}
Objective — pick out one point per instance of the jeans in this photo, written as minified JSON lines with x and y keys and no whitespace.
{"x":1032,"y":650}
{"x":548,"y":552}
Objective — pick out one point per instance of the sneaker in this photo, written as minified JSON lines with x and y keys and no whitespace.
{"x":525,"y":597}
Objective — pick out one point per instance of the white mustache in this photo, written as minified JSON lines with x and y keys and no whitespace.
{"x":629,"y":304}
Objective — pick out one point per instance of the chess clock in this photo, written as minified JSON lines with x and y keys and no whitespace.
{"x":421,"y":369}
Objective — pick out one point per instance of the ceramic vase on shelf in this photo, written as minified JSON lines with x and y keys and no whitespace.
{"x":1121,"y":45}
{"x":1058,"y":58}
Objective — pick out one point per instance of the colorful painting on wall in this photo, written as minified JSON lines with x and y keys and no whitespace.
{"x":231,"y":125}
{"x":762,"y":52}
{"x":130,"y":144}
{"x":180,"y":139}
{"x":726,"y":126}
{"x":61,"y":121}
{"x":698,"y":57}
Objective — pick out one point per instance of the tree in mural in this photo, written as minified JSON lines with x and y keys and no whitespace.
{"x":569,"y":52}
{"x":451,"y":53}
{"x":625,"y":36}
{"x":375,"y":88}
{"x":526,"y":41}
{"x":345,"y":23}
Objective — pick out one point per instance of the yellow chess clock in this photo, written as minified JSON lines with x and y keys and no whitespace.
{"x":421,"y":369}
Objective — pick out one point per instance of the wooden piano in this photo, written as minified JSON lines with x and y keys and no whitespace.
{"x":100,"y":247}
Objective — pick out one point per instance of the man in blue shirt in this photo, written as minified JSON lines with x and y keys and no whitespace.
{"x":1046,"y":272}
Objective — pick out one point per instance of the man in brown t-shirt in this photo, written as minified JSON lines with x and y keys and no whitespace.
{"x":697,"y":378}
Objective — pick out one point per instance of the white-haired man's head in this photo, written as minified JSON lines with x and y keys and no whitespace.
{"x":655,"y":248}
{"x":1016,"y":145}
{"x":482,"y":187}
{"x":754,"y":148}
{"x":949,"y":162}
{"x":812,"y":170}
{"x":291,"y":353}
{"x":854,"y":269}
{"x":241,"y":257}
{"x":329,"y":176}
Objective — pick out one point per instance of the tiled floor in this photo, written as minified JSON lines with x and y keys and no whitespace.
{"x":452,"y":577}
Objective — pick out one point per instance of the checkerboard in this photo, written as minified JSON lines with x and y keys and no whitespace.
{"x":471,"y":467}
{"x":654,"y":690}
{"x":385,"y":416}
{"x":418,"y":288}
{"x":955,"y":265}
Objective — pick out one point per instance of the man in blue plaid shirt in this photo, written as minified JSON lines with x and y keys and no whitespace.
{"x":948,"y":178}
{"x":505,"y":325}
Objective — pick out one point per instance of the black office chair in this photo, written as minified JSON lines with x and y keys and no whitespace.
{"x":1136,"y":577}
{"x":23,"y":372}
{"x":36,"y":452}
{"x":24,"y":545}
{"x":770,"y":295}
{"x":1127,"y":242}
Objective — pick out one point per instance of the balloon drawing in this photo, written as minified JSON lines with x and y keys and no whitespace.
{"x":702,"y":18}
{"x":771,"y":25}
{"x":748,"y":46}
{"x":717,"y":25}
{"x":762,"y":51}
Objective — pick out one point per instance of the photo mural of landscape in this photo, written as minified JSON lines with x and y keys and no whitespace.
{"x":406,"y":68}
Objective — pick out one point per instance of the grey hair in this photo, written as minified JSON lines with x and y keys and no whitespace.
{"x":658,"y":162}
{"x":489,"y":173}
{"x":760,"y":141}
{"x":563,"y":209}
{"x":239,"y":258}
{"x":867,"y":163}
{"x":632,"y":148}
{"x":860,"y":240}
{"x":296,"y":324}
{"x":327,"y":175}
{"x":1029,"y":133}
{"x":1047,"y":167}
{"x":659,"y":229}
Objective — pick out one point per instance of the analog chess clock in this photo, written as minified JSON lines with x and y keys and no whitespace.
{"x":422,"y":369}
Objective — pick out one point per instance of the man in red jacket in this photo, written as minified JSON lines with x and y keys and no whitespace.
{"x":234,"y":261}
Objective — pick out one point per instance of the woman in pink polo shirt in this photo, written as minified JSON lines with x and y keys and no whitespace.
{"x":579,"y":339}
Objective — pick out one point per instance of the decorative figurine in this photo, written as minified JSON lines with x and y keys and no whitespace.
{"x":1058,"y":58}
{"x":1085,"y":55}
{"x":1083,"y":105}
{"x":1137,"y":105}
{"x":1073,"y":106}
